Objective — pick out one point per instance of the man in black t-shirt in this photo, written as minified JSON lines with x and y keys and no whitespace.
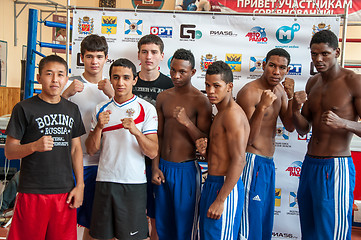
{"x":44,"y":131}
{"x":150,"y":83}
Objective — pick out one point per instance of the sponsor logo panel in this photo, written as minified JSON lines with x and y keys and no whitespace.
{"x":257,"y":34}
{"x":109,"y":25}
{"x":295,"y":69}
{"x":188,"y":32}
{"x":207,"y":60}
{"x":295,"y":169}
{"x":86,"y":25}
{"x":160,"y":31}
{"x":234,"y":61}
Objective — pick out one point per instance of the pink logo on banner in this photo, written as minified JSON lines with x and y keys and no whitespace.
{"x":295,"y":169}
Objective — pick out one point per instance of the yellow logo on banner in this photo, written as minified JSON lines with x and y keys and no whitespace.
{"x":234,"y":61}
{"x":277,"y":197}
{"x":109,"y":25}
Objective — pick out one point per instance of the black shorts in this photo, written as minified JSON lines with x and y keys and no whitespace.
{"x":119,"y":211}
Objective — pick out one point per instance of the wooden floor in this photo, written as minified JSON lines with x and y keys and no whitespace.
{"x":356,"y":233}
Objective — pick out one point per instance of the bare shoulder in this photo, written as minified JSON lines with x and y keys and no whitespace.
{"x":249,"y":93}
{"x":197,"y":97}
{"x":246,"y":89}
{"x":353,"y":82}
{"x":311,"y":82}
{"x":234,"y":116}
{"x":352,"y":79}
{"x":165,"y":94}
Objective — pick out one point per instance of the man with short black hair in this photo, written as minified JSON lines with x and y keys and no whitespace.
{"x":331,"y":104}
{"x":87,"y":91}
{"x":264,"y":100}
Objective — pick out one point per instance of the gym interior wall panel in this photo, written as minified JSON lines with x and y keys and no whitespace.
{"x":9,"y":96}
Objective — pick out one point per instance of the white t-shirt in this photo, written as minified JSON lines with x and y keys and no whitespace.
{"x":121,"y":158}
{"x":87,"y":100}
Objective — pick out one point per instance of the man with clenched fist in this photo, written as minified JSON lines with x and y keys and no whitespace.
{"x":263,"y":100}
{"x":332,"y":106}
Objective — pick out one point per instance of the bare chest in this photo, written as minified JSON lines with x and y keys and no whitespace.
{"x":333,"y":96}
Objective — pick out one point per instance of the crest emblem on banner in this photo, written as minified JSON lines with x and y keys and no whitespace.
{"x":207,"y":60}
{"x":320,"y":27}
{"x":109,"y":25}
{"x":133,"y":27}
{"x":234,"y":61}
{"x":282,"y":133}
{"x":255,"y":64}
{"x":277,"y":197}
{"x":86,"y":25}
{"x":293,"y":200}
{"x":148,"y":4}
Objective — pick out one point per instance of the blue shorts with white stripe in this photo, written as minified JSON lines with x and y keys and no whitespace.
{"x":325,"y":197}
{"x":227,"y":227}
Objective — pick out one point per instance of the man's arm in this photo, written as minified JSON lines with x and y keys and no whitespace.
{"x":147,"y":143}
{"x":301,"y":120}
{"x":255,"y":111}
{"x":333,"y":120}
{"x":237,"y":132}
{"x":202,"y":145}
{"x":15,"y":150}
{"x":75,"y":87}
{"x":106,"y":87}
{"x":75,"y":197}
{"x":286,"y":104}
{"x":157,"y":174}
{"x":93,"y":142}
{"x":200,"y":129}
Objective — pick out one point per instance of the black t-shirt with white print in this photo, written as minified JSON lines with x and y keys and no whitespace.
{"x":47,"y":172}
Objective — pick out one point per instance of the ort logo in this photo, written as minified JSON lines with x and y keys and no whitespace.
{"x":295,"y":69}
{"x":163,"y":32}
{"x":286,"y":34}
{"x":257,"y":34}
{"x":295,"y":169}
{"x":306,"y":137}
{"x":188,"y":31}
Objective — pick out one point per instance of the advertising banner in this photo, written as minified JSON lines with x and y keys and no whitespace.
{"x":240,"y":41}
{"x":294,"y":7}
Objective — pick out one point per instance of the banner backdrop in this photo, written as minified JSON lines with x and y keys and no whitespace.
{"x":242,"y":42}
{"x":274,"y":6}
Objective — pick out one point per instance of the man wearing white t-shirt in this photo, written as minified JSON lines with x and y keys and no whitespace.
{"x":87,"y":91}
{"x":124,"y":129}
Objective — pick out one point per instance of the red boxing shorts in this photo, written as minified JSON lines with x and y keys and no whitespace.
{"x":43,"y":216}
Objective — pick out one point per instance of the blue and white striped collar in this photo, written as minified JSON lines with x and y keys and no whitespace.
{"x":132,"y":99}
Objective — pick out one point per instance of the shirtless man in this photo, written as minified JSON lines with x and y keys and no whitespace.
{"x":332,"y":105}
{"x":223,"y":192}
{"x":150,"y":83}
{"x":184,"y":115}
{"x":263,"y":100}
